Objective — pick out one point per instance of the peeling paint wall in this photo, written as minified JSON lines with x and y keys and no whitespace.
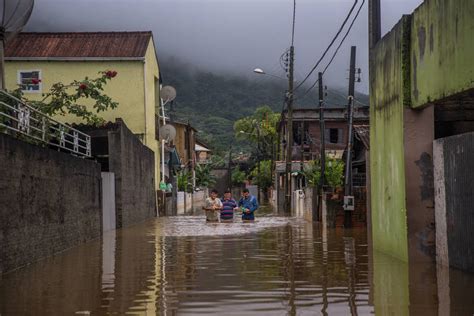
{"x":425,"y":58}
{"x":389,"y":228}
{"x":442,"y":47}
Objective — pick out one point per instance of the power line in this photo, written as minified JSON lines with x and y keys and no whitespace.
{"x":330,"y":44}
{"x":337,"y":49}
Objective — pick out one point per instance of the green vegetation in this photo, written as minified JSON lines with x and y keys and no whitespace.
{"x":213,"y":102}
{"x":238,"y":177}
{"x":184,"y":181}
{"x":260,"y":129}
{"x":263,"y":178}
{"x":204,"y":177}
{"x":334,"y":172}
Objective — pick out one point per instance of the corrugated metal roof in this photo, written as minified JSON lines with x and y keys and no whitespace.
{"x":363,"y":134}
{"x":79,"y":45}
{"x":198,"y":147}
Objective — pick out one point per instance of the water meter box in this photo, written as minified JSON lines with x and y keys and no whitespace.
{"x":348,"y":203}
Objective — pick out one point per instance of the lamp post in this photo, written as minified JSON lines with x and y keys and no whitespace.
{"x":289,"y":132}
{"x":259,"y":156}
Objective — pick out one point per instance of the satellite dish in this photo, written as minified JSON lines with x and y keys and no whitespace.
{"x":13,"y":16}
{"x":168,"y":93}
{"x":167,"y":132}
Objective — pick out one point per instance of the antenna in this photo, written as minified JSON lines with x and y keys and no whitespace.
{"x":13,"y":16}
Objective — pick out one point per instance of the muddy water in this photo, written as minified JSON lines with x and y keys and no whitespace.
{"x":183,"y":266}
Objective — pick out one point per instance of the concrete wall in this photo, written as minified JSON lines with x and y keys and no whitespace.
{"x":108,"y":201}
{"x":441,"y":50}
{"x":133,"y":165}
{"x":418,"y":137}
{"x":455,"y":187}
{"x":387,"y":165}
{"x":49,"y":201}
{"x":425,"y":58}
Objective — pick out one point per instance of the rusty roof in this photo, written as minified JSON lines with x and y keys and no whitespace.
{"x":362,"y":133}
{"x":78,"y":45}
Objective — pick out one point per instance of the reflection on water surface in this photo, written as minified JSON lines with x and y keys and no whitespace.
{"x":182,"y":265}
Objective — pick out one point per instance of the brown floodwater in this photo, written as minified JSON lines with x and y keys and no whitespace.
{"x":275,"y":266}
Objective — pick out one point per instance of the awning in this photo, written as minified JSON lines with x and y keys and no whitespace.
{"x":174,"y":161}
{"x":198,"y":147}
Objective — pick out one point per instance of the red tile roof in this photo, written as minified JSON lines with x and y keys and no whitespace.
{"x":79,"y":45}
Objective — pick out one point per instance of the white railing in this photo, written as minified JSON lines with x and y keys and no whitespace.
{"x":21,"y":120}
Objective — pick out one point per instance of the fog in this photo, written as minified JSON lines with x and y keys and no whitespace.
{"x":229,"y":36}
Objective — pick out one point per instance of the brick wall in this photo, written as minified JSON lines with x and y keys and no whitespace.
{"x":133,"y":165}
{"x":49,"y":201}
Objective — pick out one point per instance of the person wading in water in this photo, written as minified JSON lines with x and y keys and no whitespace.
{"x":212,"y":207}
{"x":248,"y":203}
{"x":229,"y":205}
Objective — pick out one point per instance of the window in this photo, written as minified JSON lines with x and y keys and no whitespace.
{"x":333,"y":135}
{"x":30,"y":80}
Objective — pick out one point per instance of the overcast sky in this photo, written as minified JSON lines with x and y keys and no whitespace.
{"x":228,"y":35}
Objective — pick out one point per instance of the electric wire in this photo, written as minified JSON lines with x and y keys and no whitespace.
{"x":336,"y":51}
{"x":330,"y":45}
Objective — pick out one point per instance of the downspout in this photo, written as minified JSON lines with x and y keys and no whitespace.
{"x":145,"y":101}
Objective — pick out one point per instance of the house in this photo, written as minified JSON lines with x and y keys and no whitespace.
{"x":64,"y":57}
{"x":203,"y":153}
{"x":307,"y":135}
{"x":307,"y":143}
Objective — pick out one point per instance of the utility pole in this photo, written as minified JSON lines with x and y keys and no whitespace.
{"x":289,"y":144}
{"x":348,"y":197}
{"x":374,"y":23}
{"x":229,"y":170}
{"x":259,"y":158}
{"x":322,"y":129}
{"x":301,"y":129}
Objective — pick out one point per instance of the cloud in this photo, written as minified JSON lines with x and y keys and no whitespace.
{"x":228,"y":35}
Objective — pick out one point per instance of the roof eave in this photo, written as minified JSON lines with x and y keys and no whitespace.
{"x":74,"y":58}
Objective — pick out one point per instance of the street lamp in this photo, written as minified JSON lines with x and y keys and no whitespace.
{"x":260,"y":71}
{"x":289,"y":104}
{"x":259,"y":175}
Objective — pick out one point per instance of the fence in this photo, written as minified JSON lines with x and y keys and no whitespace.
{"x":17,"y":119}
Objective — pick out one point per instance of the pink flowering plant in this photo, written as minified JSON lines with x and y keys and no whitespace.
{"x":63,"y":99}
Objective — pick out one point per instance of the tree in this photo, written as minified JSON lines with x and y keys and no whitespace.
{"x":204,"y":176}
{"x":260,"y":128}
{"x":264,"y":178}
{"x":64,"y":99}
{"x":184,"y":181}
{"x":334,"y":172}
{"x":238,"y":177}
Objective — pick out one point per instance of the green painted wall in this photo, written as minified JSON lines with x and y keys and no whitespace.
{"x":389,"y":226}
{"x":391,"y":285}
{"x":426,"y":57}
{"x":442,"y":50}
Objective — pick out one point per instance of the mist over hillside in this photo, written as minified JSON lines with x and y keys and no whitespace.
{"x":213,"y":101}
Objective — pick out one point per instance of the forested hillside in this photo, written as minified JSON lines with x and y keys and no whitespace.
{"x":213,"y":102}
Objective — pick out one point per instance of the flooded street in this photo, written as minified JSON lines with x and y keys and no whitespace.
{"x":183,"y":266}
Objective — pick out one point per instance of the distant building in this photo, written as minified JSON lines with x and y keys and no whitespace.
{"x":203,"y":153}
{"x":307,"y":142}
{"x":64,"y":57}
